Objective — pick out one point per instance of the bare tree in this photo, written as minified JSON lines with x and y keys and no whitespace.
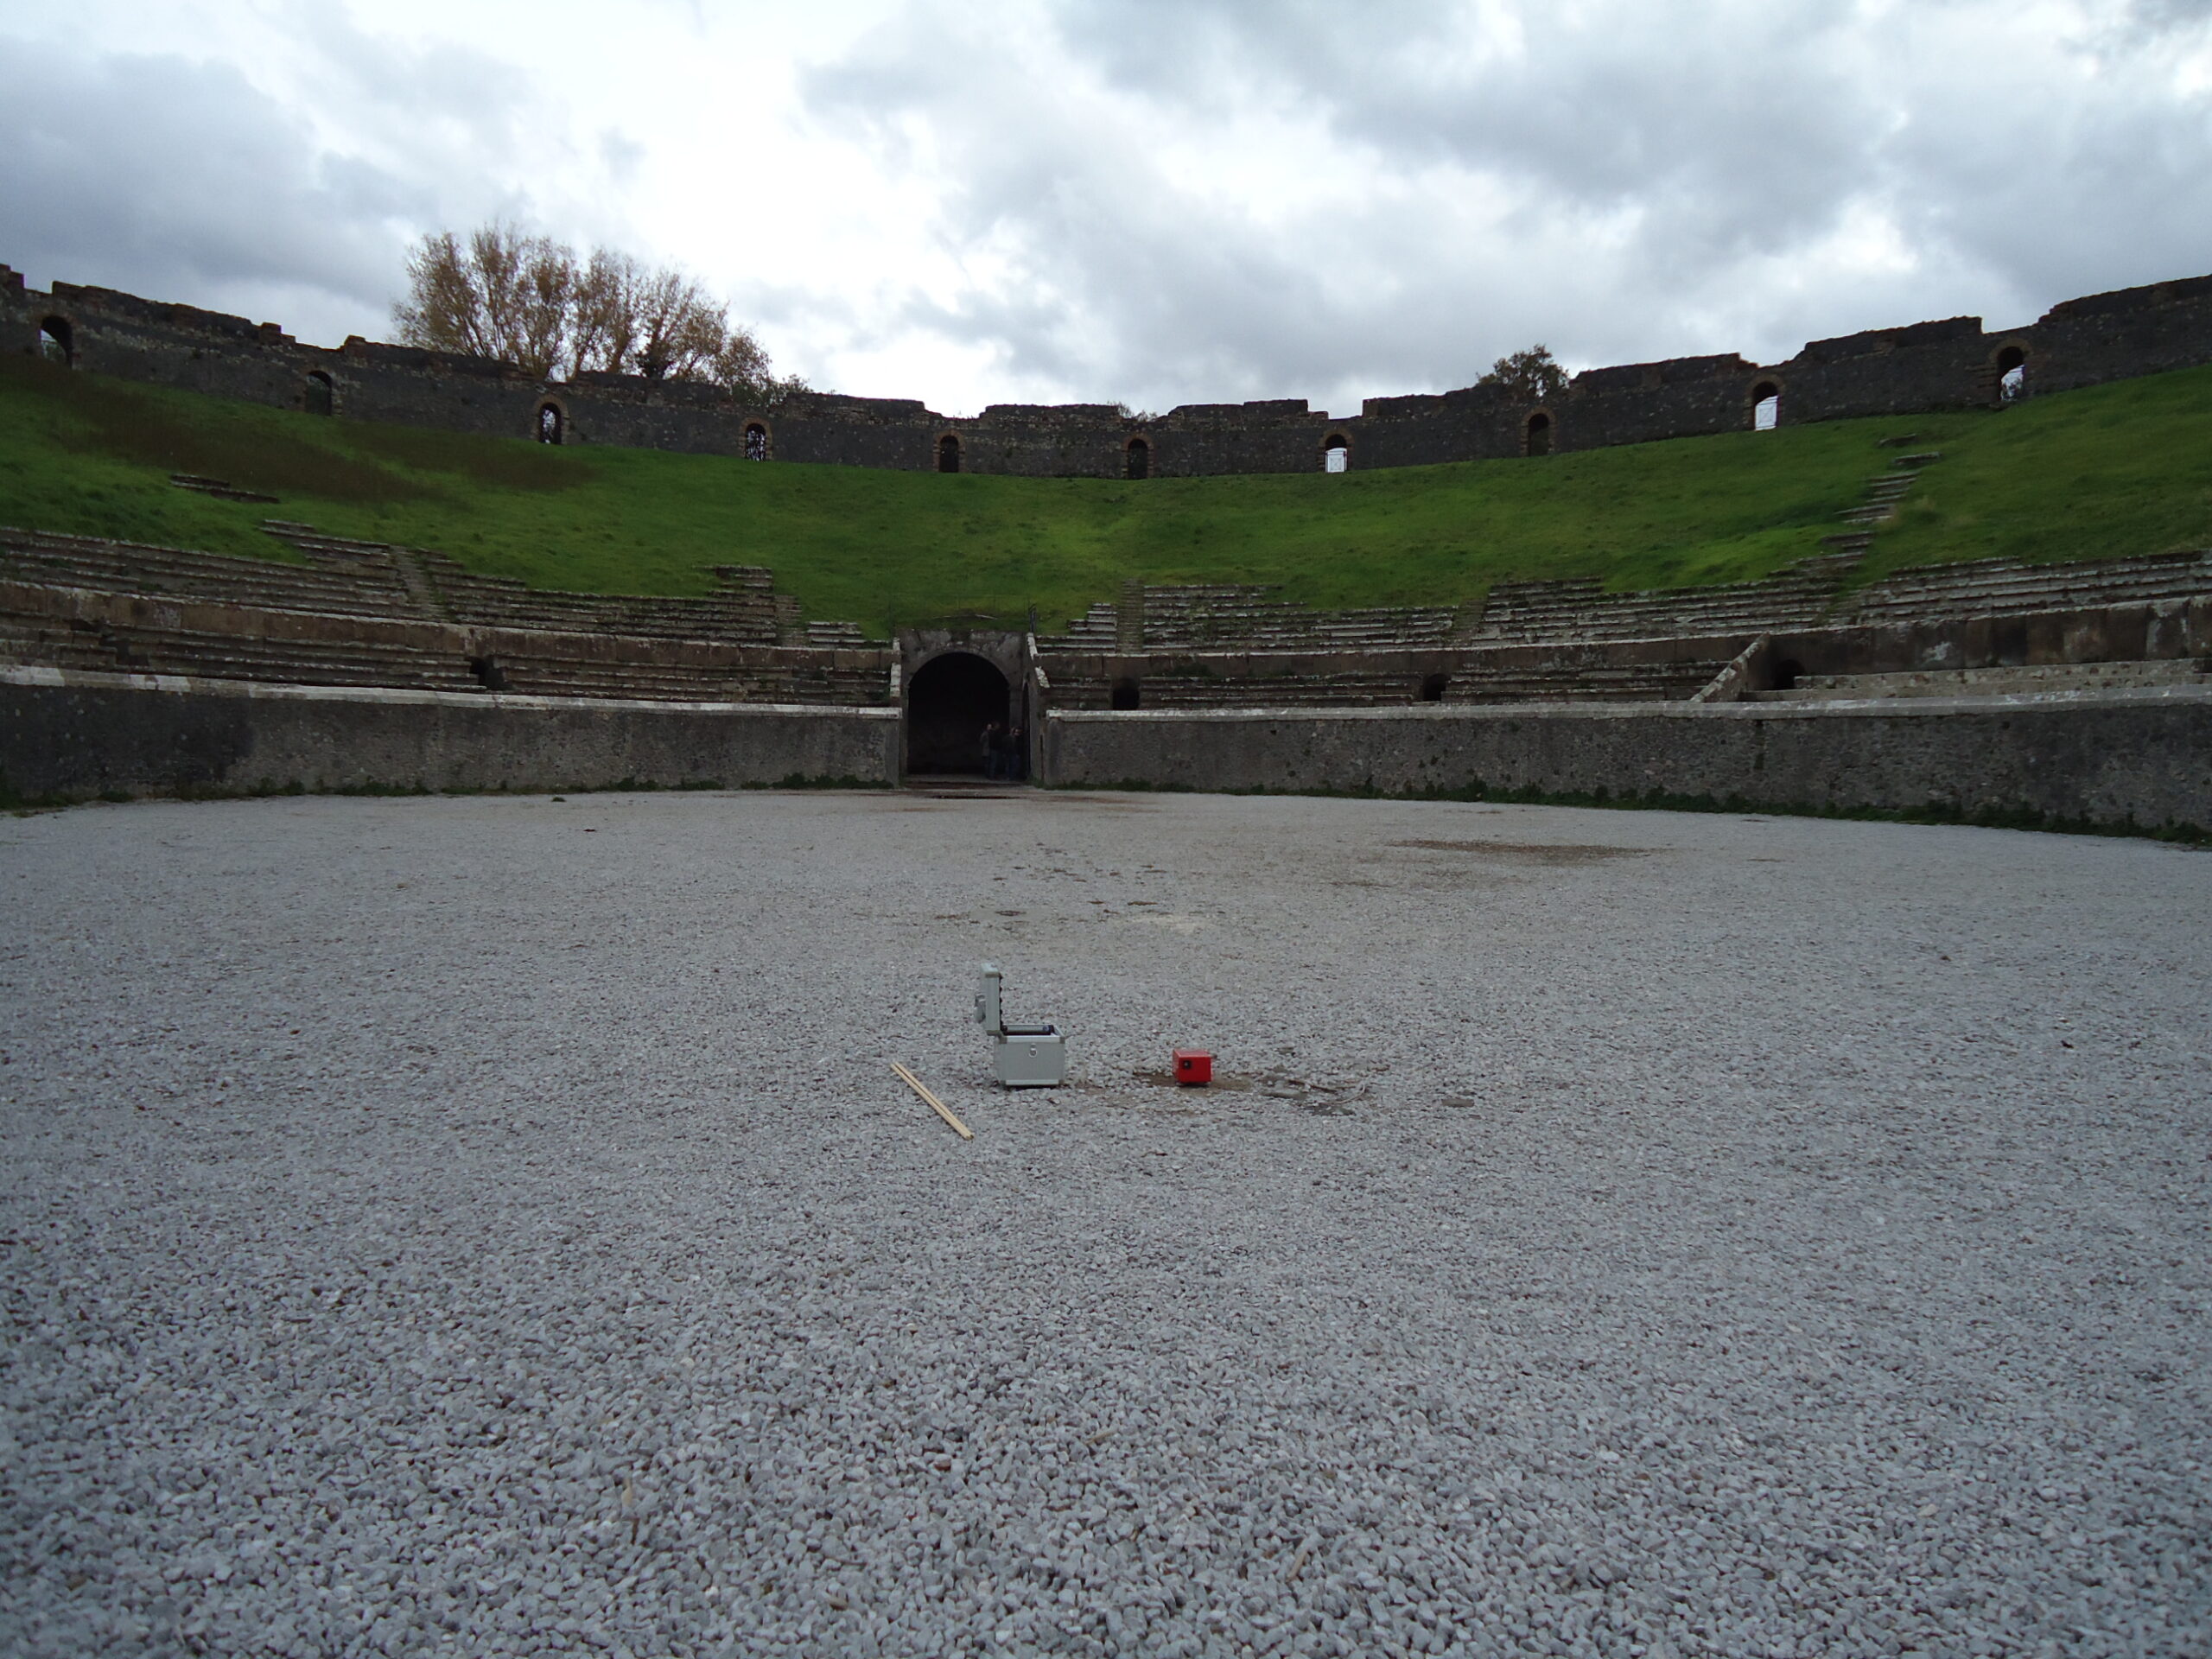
{"x":1532,"y":374}
{"x":530,"y":301}
{"x":603,"y":326}
{"x":503,"y":294}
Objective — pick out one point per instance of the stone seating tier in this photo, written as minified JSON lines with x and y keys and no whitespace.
{"x":1546,"y":612}
{"x":42,"y":643}
{"x":550,"y":676}
{"x":238,"y":657}
{"x":1475,"y":684}
{"x":2003,"y":587}
{"x":2008,"y":681}
{"x":357,"y":587}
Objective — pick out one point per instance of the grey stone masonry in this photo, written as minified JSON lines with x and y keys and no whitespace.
{"x":1950,"y":363}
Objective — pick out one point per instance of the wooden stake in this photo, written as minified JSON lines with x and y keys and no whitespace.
{"x":943,"y":1110}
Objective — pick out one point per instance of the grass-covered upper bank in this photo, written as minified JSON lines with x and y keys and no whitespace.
{"x":2117,"y":469}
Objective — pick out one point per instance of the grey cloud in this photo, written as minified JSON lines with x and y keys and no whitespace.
{"x":180,"y":179}
{"x":1661,"y":180}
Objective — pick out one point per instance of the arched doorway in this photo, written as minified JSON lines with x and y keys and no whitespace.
{"x":952,"y":698}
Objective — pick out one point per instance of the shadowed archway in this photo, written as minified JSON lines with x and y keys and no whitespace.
{"x":952,"y":699}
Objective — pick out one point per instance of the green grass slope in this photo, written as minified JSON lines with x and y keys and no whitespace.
{"x":2125,"y":468}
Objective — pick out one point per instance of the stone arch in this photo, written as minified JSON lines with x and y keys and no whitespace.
{"x":948,"y":453}
{"x":1538,"y":433}
{"x":2008,"y":370}
{"x":1766,"y":401}
{"x":57,"y":341}
{"x":759,"y":440}
{"x":1136,"y":458}
{"x":1336,"y":453}
{"x":952,"y":699}
{"x":551,"y":424}
{"x":1433,"y":687}
{"x":319,"y":396}
{"x":1125,"y":694}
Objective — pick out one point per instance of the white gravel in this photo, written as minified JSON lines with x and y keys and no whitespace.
{"x":490,"y":1226}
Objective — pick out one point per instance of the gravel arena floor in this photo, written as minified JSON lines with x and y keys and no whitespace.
{"x":491,"y":1226}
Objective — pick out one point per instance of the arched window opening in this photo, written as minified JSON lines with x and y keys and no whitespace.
{"x":57,"y":344}
{"x":550,"y":426}
{"x":321,"y":396}
{"x":1537,"y":436}
{"x":756,"y":441}
{"x":1766,"y":406}
{"x":1787,"y":673}
{"x":2011,"y":375}
{"x":1124,"y":695}
{"x":1433,"y":688}
{"x":1140,"y":459}
{"x":1335,"y":455}
{"x":960,"y":716}
{"x":948,"y":453}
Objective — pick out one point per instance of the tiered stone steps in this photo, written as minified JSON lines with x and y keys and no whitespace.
{"x":1158,"y":692}
{"x":555,"y":677}
{"x":746,"y":613}
{"x":358,"y":584}
{"x":242,"y":657}
{"x":1547,"y":612}
{"x":2009,"y":587}
{"x":1582,"y":683}
{"x":1224,"y":616}
{"x":1994,"y":682}
{"x":285,"y":634}
{"x":47,"y":644}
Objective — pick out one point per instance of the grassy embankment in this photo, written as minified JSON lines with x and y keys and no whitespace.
{"x":2125,"y":468}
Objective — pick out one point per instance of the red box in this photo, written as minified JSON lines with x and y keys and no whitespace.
{"x":1193,"y":1065}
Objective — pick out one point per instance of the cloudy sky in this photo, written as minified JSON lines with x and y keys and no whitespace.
{"x":1147,"y":201}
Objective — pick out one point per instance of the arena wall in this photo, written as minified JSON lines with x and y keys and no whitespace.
{"x":2109,"y":758}
{"x":1949,"y":364}
{"x":74,"y":735}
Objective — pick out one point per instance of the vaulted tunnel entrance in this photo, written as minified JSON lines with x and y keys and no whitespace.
{"x":952,"y":701}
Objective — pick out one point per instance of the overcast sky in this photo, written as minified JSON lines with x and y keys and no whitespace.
{"x":1147,"y":201}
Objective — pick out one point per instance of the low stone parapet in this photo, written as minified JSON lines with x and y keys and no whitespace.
{"x":66,"y":734}
{"x":2114,"y":758}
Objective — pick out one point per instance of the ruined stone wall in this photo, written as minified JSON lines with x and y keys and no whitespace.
{"x":1950,"y":363}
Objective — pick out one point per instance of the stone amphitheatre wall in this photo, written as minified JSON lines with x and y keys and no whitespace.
{"x":69,"y":734}
{"x":1951,"y":364}
{"x":2142,"y":758}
